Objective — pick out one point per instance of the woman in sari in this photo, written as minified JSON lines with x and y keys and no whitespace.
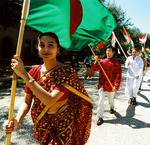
{"x":61,"y":111}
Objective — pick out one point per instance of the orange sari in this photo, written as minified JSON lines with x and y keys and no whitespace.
{"x":72,"y":123}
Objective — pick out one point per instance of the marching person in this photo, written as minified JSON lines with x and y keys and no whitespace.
{"x":74,"y":63}
{"x":142,"y":55}
{"x":89,"y":72}
{"x":114,"y":72}
{"x":61,"y":105}
{"x":133,"y":80}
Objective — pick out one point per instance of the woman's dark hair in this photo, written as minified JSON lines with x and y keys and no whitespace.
{"x":51,"y":35}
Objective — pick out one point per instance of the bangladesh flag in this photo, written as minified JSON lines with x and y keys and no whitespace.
{"x":77,"y":23}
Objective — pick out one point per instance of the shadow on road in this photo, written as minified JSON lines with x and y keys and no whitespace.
{"x":129,"y":118}
{"x":144,"y":97}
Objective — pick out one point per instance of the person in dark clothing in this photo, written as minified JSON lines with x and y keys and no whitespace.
{"x":74,"y":63}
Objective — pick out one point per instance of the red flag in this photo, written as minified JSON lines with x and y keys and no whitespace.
{"x":129,"y":52}
{"x":142,"y":39}
{"x":100,"y":45}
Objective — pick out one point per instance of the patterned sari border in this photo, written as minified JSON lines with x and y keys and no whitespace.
{"x":76,"y":92}
{"x":63,"y":132}
{"x":40,"y":116}
{"x":41,"y":79}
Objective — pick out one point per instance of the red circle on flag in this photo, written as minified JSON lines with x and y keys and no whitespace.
{"x":75,"y":15}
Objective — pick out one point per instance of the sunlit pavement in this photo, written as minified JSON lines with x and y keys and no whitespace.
{"x":129,"y":125}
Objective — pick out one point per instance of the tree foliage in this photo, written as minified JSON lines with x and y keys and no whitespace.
{"x":122,"y":20}
{"x":10,"y":13}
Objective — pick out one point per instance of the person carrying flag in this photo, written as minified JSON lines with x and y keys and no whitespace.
{"x":59,"y":17}
{"x":61,"y":105}
{"x":114,"y":72}
{"x":133,"y":80}
{"x":142,"y":55}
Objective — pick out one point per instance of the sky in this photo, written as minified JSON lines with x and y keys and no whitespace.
{"x":138,"y":11}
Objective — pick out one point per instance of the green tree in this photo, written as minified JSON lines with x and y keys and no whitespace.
{"x":10,"y":13}
{"x":121,"y":19}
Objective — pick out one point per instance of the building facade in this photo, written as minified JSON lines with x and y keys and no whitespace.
{"x":8,"y":45}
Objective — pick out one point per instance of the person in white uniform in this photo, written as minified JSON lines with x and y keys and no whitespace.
{"x":133,"y":80}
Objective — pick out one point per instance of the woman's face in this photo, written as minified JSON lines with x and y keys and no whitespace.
{"x":47,"y":47}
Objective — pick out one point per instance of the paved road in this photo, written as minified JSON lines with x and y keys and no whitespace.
{"x":129,"y":125}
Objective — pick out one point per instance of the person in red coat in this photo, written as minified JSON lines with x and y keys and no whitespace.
{"x":113,"y":70}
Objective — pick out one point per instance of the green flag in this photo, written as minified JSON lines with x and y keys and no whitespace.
{"x":76,"y":23}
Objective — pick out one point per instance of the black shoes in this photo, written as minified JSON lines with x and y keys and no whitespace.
{"x":99,"y":121}
{"x":132,"y":101}
{"x":112,"y":111}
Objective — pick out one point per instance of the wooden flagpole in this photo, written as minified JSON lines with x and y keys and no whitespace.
{"x":102,"y":68}
{"x":18,"y":51}
{"x":124,"y":54}
{"x":145,"y":42}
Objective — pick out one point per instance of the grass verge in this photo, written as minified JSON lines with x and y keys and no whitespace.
{"x":6,"y":71}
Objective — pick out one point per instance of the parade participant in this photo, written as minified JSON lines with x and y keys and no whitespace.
{"x":114,"y":72}
{"x":133,"y":80}
{"x":89,"y":72}
{"x":61,"y":105}
{"x":142,"y":55}
{"x":74,"y":63}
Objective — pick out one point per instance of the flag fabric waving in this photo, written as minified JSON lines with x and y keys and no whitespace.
{"x":127,"y":37}
{"x":113,"y":39}
{"x":119,"y":51}
{"x":100,"y":45}
{"x":77,"y":23}
{"x":142,"y":49}
{"x":128,"y":41}
{"x":142,"y":39}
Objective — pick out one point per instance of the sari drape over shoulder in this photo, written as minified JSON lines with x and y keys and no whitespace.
{"x":72,"y":123}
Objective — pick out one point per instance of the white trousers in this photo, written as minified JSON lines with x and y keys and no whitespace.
{"x":132,"y":87}
{"x":100,"y":108}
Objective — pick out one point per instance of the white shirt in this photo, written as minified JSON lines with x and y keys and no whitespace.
{"x":137,"y":65}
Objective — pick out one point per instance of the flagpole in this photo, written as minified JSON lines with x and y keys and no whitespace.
{"x":145,"y":41}
{"x":144,"y":45}
{"x":124,"y":55}
{"x":102,"y":68}
{"x":18,"y":51}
